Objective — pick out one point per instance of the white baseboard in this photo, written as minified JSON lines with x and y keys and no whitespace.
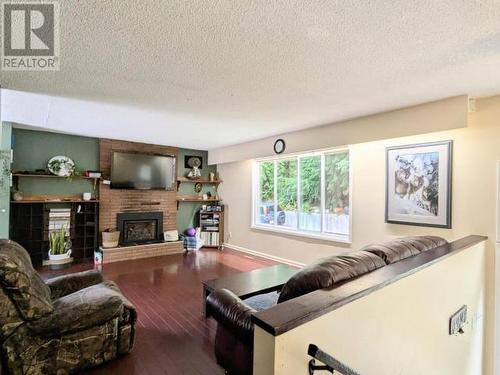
{"x":263,"y":255}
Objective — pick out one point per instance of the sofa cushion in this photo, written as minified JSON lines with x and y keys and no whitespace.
{"x":327,"y":272}
{"x":401,"y":248}
{"x":22,"y":283}
{"x":262,"y":301}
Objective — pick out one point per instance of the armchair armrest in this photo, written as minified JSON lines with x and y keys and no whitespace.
{"x":233,"y":313}
{"x":83,"y":309}
{"x":73,"y":282}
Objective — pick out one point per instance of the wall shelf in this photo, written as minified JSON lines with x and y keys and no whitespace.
{"x":40,"y":175}
{"x":17,"y":175}
{"x":200,"y":180}
{"x":196,"y":199}
{"x":28,"y":201}
{"x":203,"y":181}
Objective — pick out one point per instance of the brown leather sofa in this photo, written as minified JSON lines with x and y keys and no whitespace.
{"x":61,"y":326}
{"x":234,"y":337}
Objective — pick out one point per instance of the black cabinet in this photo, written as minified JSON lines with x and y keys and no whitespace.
{"x":29,"y":226}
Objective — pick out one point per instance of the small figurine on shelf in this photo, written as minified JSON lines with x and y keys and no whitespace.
{"x":17,"y":195}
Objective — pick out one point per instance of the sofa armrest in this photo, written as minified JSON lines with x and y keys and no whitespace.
{"x":73,"y":282}
{"x":88,"y":307}
{"x":233,"y":313}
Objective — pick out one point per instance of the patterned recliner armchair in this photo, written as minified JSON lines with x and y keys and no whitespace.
{"x":60,"y":326}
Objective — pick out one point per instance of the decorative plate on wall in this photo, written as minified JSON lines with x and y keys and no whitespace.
{"x":61,"y":166}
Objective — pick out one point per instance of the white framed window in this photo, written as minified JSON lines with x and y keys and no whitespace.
{"x":305,"y":194}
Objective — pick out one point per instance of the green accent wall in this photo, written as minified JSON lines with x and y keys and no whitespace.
{"x":5,"y":142}
{"x":33,"y":149}
{"x":188,"y":210}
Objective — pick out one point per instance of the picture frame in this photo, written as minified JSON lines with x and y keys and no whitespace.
{"x":419,"y":184}
{"x":198,"y":187}
{"x":191,"y":160}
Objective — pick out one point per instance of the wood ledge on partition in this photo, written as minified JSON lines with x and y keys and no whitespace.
{"x":293,"y":313}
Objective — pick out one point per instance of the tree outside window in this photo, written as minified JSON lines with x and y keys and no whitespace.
{"x":305,"y":193}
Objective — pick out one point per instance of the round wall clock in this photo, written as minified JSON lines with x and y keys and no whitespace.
{"x":279,"y":146}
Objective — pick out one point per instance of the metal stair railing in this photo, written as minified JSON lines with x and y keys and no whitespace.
{"x":331,"y":364}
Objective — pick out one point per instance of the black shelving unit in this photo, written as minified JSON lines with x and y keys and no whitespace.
{"x":212,"y":227}
{"x":86,"y":224}
{"x":29,"y":226}
{"x":29,"y":219}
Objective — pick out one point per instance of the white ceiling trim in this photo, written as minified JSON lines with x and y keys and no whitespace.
{"x":101,"y":120}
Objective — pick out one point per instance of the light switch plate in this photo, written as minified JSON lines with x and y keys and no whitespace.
{"x":458,"y":321}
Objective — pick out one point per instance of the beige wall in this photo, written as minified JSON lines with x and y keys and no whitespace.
{"x":400,"y":329}
{"x":441,"y":115}
{"x":476,"y":152}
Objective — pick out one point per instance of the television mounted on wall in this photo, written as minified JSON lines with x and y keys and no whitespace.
{"x":131,"y":170}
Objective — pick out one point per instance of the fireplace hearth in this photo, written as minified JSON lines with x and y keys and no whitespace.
{"x":140,"y":227}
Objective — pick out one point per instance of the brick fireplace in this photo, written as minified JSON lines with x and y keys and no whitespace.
{"x":140,"y":210}
{"x":140,"y":227}
{"x":115,"y":201}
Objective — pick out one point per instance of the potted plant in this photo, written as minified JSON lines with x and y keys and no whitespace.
{"x":60,"y":245}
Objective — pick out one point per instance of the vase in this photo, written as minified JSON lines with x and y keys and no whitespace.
{"x":66,"y":255}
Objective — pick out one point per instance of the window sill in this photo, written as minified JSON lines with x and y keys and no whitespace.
{"x":317,"y":236}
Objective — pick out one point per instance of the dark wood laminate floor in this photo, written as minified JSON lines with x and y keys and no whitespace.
{"x":172,"y":337}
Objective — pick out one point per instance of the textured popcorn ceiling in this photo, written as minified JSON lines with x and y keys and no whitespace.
{"x":213,"y":73}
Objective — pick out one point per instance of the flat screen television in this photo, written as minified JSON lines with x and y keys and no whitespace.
{"x":142,"y":171}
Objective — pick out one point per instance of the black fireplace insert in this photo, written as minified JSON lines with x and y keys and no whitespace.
{"x":140,"y":227}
